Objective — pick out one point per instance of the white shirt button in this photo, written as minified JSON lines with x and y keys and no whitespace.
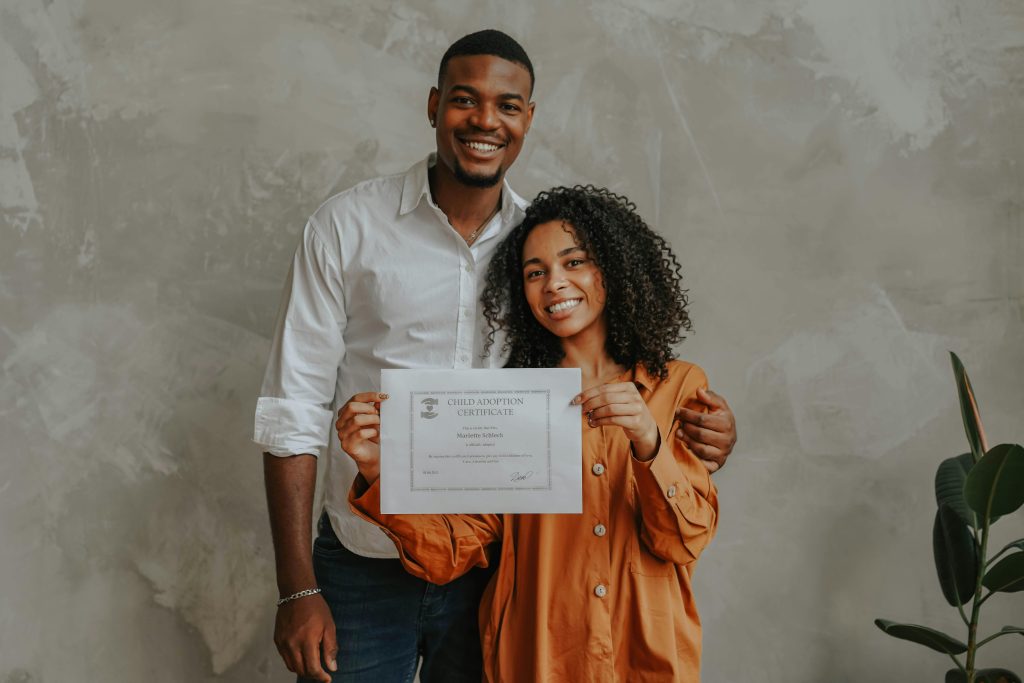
{"x":597,"y":469}
{"x":600,"y":591}
{"x":671,"y":493}
{"x":469,"y":267}
{"x":600,"y":530}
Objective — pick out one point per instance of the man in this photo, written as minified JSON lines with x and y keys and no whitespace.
{"x":387,"y":275}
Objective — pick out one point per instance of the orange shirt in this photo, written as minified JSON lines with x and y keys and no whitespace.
{"x":601,"y":596}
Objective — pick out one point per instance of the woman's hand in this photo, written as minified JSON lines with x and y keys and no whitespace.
{"x":358,"y":428}
{"x":620,"y":404}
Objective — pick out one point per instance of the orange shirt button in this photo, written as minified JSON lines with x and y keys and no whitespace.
{"x":597,"y":469}
{"x":599,"y":530}
{"x":600,"y":591}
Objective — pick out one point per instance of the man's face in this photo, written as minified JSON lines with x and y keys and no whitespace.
{"x":482,"y":113}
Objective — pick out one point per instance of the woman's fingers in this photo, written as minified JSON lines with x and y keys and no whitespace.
{"x":628,"y":422}
{"x":623,"y":392}
{"x":354,"y":437}
{"x":610,"y":399}
{"x":368,"y":397}
{"x":618,"y":403}
{"x":624,"y":411}
{"x":346,"y":416}
{"x":592,"y":392}
{"x":360,"y":420}
{"x":352,"y":407}
{"x":355,"y":424}
{"x":366,"y":402}
{"x":357,"y":433}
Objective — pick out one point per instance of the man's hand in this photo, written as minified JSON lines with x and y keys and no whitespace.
{"x":358,"y":428}
{"x":304,"y":628}
{"x":711,"y":436}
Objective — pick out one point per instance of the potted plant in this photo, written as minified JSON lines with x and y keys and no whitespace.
{"x":972,"y":491}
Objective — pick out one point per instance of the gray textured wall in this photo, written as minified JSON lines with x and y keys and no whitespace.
{"x":842,"y":181}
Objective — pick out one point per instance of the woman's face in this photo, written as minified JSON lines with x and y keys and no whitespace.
{"x":564,"y":287}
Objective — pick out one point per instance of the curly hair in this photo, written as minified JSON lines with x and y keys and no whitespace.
{"x":645,"y":310}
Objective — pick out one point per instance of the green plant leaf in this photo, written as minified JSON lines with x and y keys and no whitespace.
{"x":949,"y":486}
{"x":969,"y":409}
{"x":996,"y":482}
{"x":956,"y":556}
{"x":996,"y":676}
{"x":1018,"y":544}
{"x":922,"y":635}
{"x":1007,"y":575}
{"x":983,"y":676}
{"x":1012,"y":629}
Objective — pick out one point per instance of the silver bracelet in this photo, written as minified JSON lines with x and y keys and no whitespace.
{"x":296,"y":596}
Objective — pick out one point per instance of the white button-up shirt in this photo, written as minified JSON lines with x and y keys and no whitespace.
{"x":380,"y":280}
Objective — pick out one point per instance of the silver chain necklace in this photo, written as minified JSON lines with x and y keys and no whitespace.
{"x":471,"y":237}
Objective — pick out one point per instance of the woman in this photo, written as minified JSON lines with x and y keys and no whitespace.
{"x":605,"y":595}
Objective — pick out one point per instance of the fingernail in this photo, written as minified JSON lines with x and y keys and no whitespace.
{"x":575,"y":400}
{"x":332,"y":665}
{"x":383,"y":397}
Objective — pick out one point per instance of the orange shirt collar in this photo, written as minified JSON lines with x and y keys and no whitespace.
{"x":640,"y":376}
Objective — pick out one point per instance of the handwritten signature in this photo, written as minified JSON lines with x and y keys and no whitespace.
{"x":521,"y":476}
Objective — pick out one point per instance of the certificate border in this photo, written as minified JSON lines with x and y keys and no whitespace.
{"x":412,"y":437}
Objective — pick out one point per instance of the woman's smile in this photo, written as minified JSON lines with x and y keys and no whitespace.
{"x":561,"y":309}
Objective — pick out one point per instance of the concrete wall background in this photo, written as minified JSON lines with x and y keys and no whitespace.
{"x":842,"y":182}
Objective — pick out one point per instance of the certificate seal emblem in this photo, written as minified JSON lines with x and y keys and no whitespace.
{"x":429,"y":406}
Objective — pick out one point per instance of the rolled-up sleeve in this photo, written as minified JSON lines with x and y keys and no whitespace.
{"x":293,"y":412}
{"x":436,"y":548}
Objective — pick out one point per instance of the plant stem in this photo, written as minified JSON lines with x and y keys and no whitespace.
{"x":972,"y":632}
{"x":993,"y":637}
{"x":963,"y":615}
{"x":958,"y":664}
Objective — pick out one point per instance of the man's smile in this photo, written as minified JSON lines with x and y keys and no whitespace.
{"x":481,"y":146}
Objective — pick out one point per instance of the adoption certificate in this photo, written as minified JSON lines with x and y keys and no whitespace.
{"x":481,"y":441}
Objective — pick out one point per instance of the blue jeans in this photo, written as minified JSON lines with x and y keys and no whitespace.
{"x":387,"y":619}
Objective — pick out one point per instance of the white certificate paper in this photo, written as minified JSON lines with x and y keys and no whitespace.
{"x":475,"y":441}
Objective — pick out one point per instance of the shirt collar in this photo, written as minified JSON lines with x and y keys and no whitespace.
{"x":416,"y":187}
{"x":643,"y":378}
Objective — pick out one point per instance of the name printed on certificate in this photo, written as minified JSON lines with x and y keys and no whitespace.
{"x":474,"y":441}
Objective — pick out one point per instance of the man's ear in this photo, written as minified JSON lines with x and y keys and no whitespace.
{"x":529,"y":117}
{"x":433,"y":100}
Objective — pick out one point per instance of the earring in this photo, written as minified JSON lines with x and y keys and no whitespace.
{"x":433,"y":124}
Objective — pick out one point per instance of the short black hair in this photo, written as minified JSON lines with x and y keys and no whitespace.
{"x":487,"y":42}
{"x":646,"y":310}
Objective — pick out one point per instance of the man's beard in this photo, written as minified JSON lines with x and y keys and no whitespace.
{"x":477,"y":180}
